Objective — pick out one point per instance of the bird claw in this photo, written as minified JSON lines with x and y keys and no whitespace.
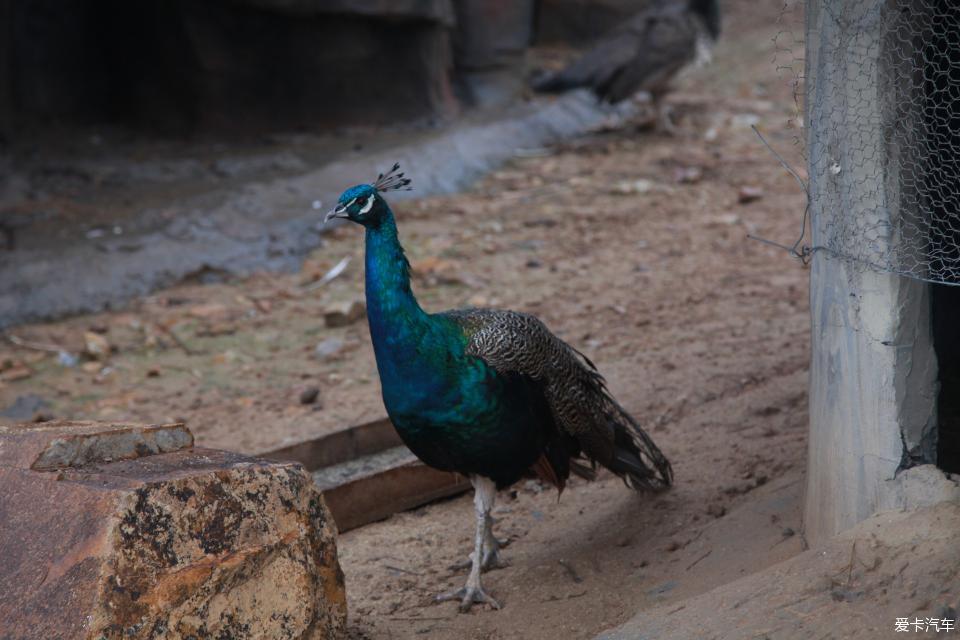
{"x":468,"y":596}
{"x":665,"y":124}
{"x":491,"y":561}
{"x":491,"y":558}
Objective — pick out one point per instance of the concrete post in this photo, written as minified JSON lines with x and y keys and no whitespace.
{"x":873,"y":367}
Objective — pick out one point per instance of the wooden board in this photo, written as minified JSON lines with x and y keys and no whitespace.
{"x":367,"y":474}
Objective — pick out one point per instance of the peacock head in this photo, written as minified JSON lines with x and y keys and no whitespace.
{"x":363,"y":203}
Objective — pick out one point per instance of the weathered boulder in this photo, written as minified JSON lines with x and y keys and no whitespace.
{"x":134,"y":533}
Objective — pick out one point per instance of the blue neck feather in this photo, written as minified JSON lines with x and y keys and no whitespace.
{"x":421,"y":358}
{"x":391,"y":304}
{"x":398,"y":326}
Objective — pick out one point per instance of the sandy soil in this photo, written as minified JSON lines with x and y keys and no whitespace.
{"x":895,"y":566}
{"x":630,"y":245}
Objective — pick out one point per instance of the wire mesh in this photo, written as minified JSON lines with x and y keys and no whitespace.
{"x":883,"y":131}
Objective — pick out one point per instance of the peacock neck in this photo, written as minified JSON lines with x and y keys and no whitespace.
{"x":392,"y":308}
{"x":416,"y":352}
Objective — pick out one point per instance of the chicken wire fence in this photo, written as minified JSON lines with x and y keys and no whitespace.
{"x":883,"y":130}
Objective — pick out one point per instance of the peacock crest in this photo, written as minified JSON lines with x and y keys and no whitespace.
{"x":392,"y":180}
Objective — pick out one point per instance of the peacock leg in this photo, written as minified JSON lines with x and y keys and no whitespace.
{"x":664,"y":124}
{"x":491,"y":547}
{"x":491,"y":551}
{"x":484,"y":492}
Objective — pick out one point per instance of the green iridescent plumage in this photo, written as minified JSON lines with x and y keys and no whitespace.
{"x":490,"y":394}
{"x":451,"y":408}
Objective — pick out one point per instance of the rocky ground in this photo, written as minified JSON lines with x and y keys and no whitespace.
{"x":633,"y":247}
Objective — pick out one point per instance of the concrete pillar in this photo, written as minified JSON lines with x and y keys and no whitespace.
{"x":873,"y":366}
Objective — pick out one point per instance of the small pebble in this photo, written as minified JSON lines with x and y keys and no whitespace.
{"x":309,"y":395}
{"x":716,"y":510}
{"x":328,"y":348}
{"x":67,"y":359}
{"x":748,"y":194}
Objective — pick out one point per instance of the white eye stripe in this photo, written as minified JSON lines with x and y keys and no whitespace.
{"x":366,"y":208}
{"x":345,"y":205}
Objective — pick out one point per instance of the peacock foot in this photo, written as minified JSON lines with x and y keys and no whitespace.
{"x":468,"y":596}
{"x":491,"y":556}
{"x":665,"y":124}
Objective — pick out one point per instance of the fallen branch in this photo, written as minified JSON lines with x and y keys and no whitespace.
{"x":28,"y":344}
{"x":176,"y":339}
{"x":401,"y":570}
{"x":697,"y":561}
{"x":571,"y":596}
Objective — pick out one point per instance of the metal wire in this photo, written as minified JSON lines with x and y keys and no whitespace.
{"x":884,"y":132}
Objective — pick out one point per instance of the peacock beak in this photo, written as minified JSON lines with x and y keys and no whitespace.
{"x":337,"y":212}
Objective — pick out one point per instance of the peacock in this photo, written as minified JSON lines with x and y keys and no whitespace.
{"x":491,"y":394}
{"x":642,"y":54}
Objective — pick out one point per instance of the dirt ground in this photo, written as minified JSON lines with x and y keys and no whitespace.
{"x":630,"y":245}
{"x":893,"y":573}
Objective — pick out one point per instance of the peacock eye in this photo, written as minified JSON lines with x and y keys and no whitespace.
{"x":368,"y":205}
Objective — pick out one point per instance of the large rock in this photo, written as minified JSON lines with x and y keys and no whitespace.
{"x":133,"y":533}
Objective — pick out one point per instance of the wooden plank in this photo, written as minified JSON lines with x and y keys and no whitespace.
{"x":339,"y":446}
{"x":367,"y":474}
{"x":377,"y":486}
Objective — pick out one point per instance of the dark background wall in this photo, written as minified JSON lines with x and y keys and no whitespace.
{"x":192,"y":66}
{"x":580,"y":21}
{"x":179,"y":65}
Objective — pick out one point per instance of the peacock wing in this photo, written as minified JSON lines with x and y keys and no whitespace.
{"x":513,"y":342}
{"x":510,"y":341}
{"x":664,"y":43}
{"x":603,"y":62}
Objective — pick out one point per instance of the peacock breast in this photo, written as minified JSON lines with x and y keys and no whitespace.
{"x":441,"y":389}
